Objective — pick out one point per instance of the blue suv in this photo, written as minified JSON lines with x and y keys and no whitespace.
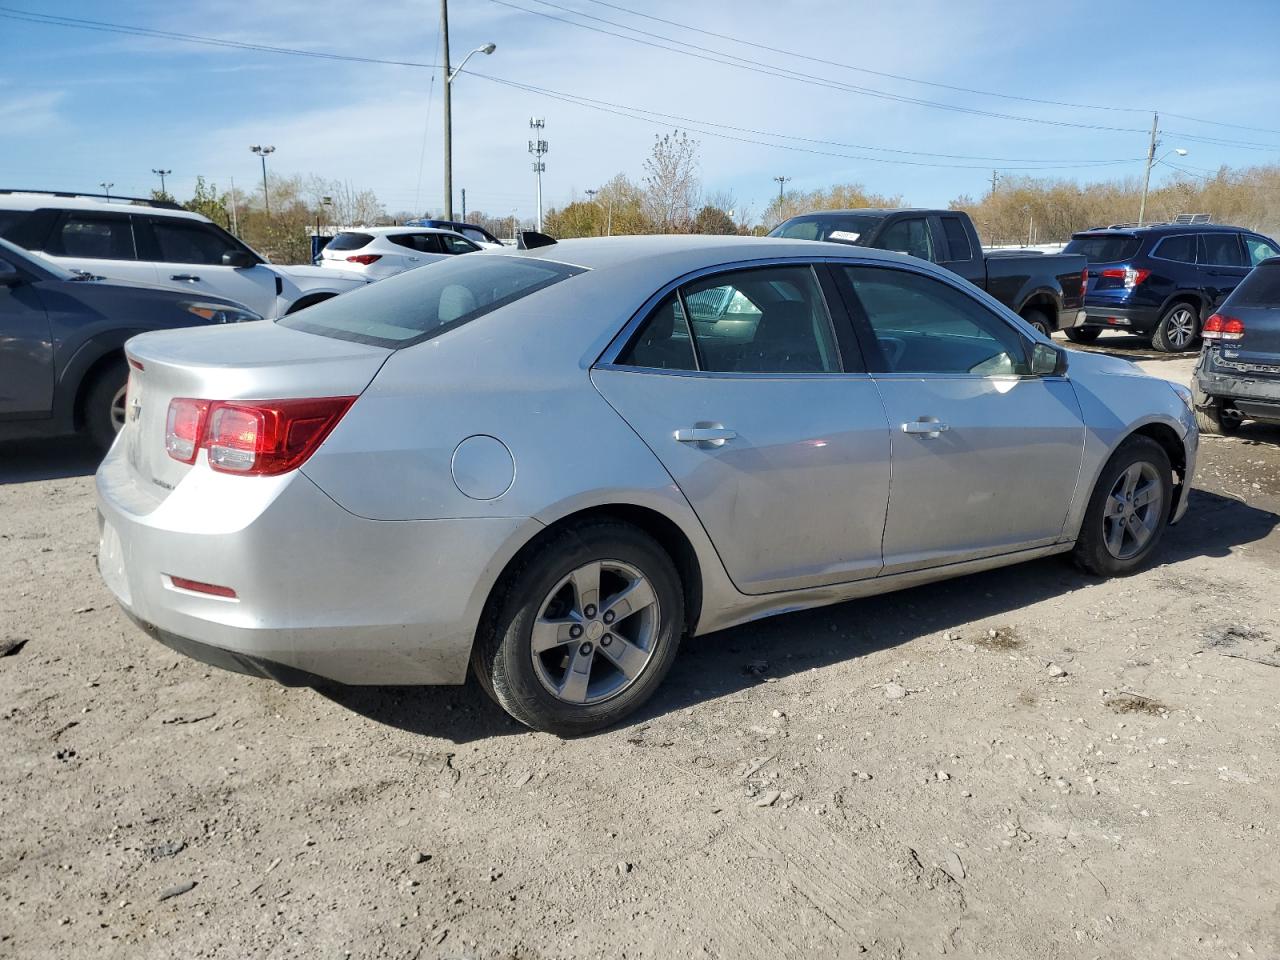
{"x":1161,"y":280}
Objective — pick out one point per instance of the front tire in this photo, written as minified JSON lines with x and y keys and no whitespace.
{"x":1082,"y":334}
{"x":102,"y":412}
{"x":1128,"y":511}
{"x":1178,"y":329}
{"x":584,"y":630}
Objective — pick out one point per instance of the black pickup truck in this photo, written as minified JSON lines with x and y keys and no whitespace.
{"x":1039,"y":287}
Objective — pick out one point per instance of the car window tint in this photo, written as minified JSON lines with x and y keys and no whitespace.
{"x":407,"y":240}
{"x":94,"y":237}
{"x":957,"y":238}
{"x":9,"y":220}
{"x":349,"y":241}
{"x":926,"y":326}
{"x":476,"y":235}
{"x":1259,"y":249}
{"x":1221,"y":250}
{"x":663,"y":342}
{"x":1104,"y":247}
{"x":182,"y":241}
{"x":766,"y":320}
{"x":1182,"y":249}
{"x":454,"y":244}
{"x":418,"y":304}
{"x":910,"y":236}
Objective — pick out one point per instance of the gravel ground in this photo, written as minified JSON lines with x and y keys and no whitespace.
{"x":1028,"y":762}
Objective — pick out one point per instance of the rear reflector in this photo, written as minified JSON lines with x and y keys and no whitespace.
{"x":136,"y":364}
{"x":195,"y":586}
{"x":1218,"y":327}
{"x":365,"y":258}
{"x":255,"y":437}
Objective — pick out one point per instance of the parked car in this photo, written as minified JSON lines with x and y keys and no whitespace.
{"x":62,"y":363}
{"x":1238,"y":375}
{"x":471,"y":231}
{"x":378,"y":252}
{"x":1163,"y":279}
{"x":1043,"y":289}
{"x":551,"y":464}
{"x":153,"y":241}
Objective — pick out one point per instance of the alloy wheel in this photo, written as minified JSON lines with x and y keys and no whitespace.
{"x":118,"y":411}
{"x":1181,"y":327}
{"x":1133,"y":511}
{"x":595,"y":632}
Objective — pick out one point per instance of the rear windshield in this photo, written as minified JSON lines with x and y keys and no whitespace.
{"x":1261,"y":288}
{"x":349,"y":241}
{"x":1104,"y":247}
{"x":840,"y":228}
{"x":418,"y":304}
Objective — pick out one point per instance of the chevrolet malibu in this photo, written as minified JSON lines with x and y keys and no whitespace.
{"x":551,"y":465}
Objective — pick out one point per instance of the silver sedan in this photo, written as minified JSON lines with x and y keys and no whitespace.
{"x":551,"y":465}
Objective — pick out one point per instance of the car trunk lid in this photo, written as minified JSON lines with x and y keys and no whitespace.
{"x":249,"y":361}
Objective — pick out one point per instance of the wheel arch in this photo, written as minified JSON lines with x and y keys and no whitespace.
{"x":310,"y":300}
{"x":1042,"y":300}
{"x":1171,"y":442}
{"x":1192,"y":297}
{"x":86,"y":363}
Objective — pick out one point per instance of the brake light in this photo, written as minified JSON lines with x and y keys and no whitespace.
{"x":364,"y":258}
{"x":254,"y":438}
{"x":1084,"y":280}
{"x":1132,"y":276}
{"x":1218,"y":327}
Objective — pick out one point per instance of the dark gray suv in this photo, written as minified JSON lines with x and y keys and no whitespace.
{"x":62,"y":334}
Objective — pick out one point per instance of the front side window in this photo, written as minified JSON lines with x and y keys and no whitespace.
{"x":957,"y":239}
{"x":1181,"y":249}
{"x":94,"y":237}
{"x":1259,"y":250}
{"x":923,"y":325}
{"x":419,"y":304}
{"x":471,"y":233}
{"x":1221,"y":250}
{"x":910,"y":236}
{"x":181,"y":241}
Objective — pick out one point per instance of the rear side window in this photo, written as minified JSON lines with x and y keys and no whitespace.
{"x":1260,"y":289}
{"x":664,"y":342}
{"x":1221,"y":250}
{"x":349,"y":241}
{"x":1182,"y":249}
{"x":419,"y":304}
{"x":1104,"y":247}
{"x":93,"y":237}
{"x":957,"y":238}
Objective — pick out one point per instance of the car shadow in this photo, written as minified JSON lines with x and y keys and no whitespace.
{"x":728,"y":662}
{"x":55,"y":458}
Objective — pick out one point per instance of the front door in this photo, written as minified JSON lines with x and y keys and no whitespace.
{"x":1223,"y":264}
{"x":775,"y":436}
{"x":26,"y":351}
{"x":188,"y":255}
{"x":985,"y":456}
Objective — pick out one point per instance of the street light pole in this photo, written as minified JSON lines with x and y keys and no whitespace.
{"x":449,"y":74}
{"x":162,"y":174}
{"x":263,"y":152}
{"x":106,"y":187}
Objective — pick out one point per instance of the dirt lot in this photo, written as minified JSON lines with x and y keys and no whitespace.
{"x":1023,"y":763}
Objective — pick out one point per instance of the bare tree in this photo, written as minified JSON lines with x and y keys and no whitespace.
{"x":671,"y":183}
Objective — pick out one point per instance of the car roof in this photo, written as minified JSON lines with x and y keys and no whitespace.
{"x":1153,"y":229}
{"x":18,"y":200}
{"x":864,"y":211}
{"x":395,"y":231}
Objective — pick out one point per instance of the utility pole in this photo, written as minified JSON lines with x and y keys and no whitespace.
{"x":995,"y":178}
{"x":591,"y":195}
{"x":263,"y":152}
{"x":538,"y":148}
{"x":782,"y":183}
{"x":106,"y":187}
{"x":162,"y":174}
{"x":464,"y":203}
{"x":1151,"y":159}
{"x":235,"y":222}
{"x":448,"y":113}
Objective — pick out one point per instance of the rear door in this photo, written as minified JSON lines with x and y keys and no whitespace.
{"x":985,"y":457}
{"x":26,"y":351}
{"x":188,"y":256}
{"x":1222,"y":265}
{"x":766,"y":421}
{"x":104,"y":244}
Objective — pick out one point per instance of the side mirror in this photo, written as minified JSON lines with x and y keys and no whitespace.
{"x":1048,"y":360}
{"x":9,"y":275}
{"x":239,"y":259}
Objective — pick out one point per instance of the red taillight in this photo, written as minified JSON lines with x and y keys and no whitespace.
{"x":257,"y":437}
{"x":1084,"y":280}
{"x":1132,"y":276}
{"x":196,"y":586}
{"x":364,"y":258}
{"x":1218,"y":327}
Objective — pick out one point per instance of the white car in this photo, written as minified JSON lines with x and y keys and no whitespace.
{"x":122,"y":238}
{"x":377,"y":252}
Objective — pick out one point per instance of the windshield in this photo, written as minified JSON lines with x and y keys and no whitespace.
{"x":837,"y":227}
{"x":418,"y":304}
{"x":20,"y":258}
{"x":1104,"y":247}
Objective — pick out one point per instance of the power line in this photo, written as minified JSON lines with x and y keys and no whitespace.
{"x":604,"y":106}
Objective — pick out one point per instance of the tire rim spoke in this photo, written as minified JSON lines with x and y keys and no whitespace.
{"x":586,"y":586}
{"x":626,"y":656}
{"x":633,"y":599}
{"x":549,"y":634}
{"x":577,"y":677}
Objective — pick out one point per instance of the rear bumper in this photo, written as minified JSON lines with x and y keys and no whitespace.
{"x":1137,"y":319}
{"x":1256,"y":397}
{"x":320,"y":593}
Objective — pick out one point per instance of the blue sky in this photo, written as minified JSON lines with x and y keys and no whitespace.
{"x":78,"y":106}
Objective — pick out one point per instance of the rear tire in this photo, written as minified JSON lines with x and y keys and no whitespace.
{"x":1209,"y":416}
{"x":1082,"y":334}
{"x":102,"y":411}
{"x":545,"y":653}
{"x":1178,"y":329}
{"x":1120,"y":527}
{"x":1040,"y":320}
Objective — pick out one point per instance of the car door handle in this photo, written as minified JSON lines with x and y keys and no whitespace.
{"x":925,"y":427}
{"x":712,"y":436}
{"x":185,"y":276}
